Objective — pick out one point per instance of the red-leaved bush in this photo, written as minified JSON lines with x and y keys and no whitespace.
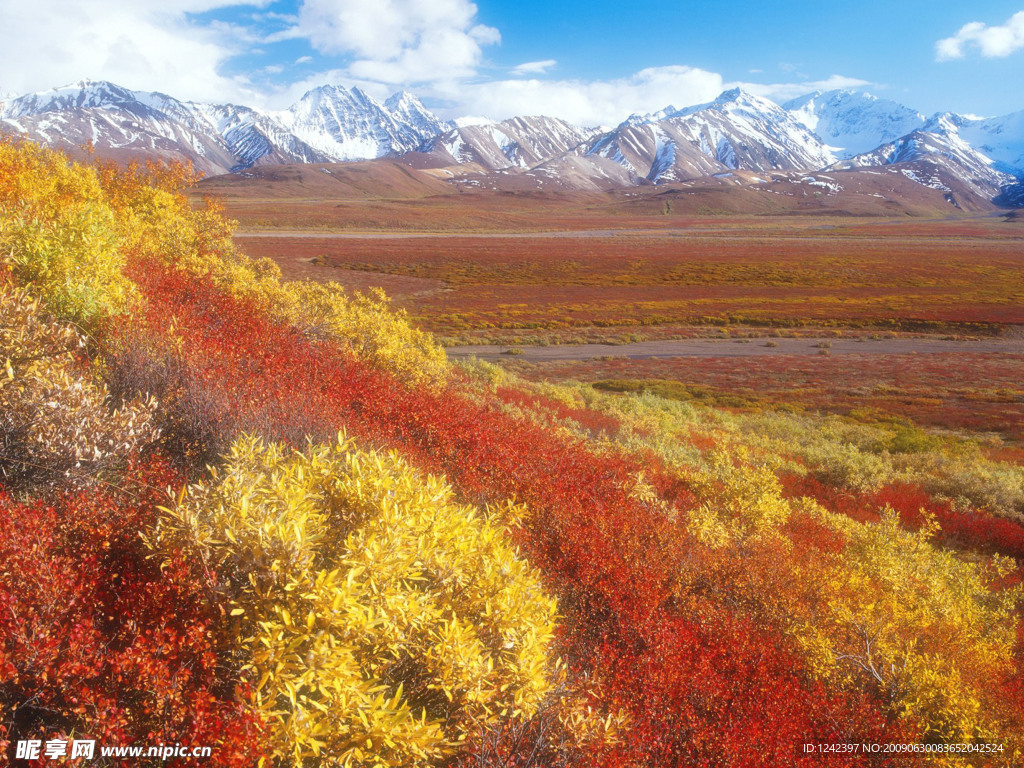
{"x":700,"y":687}
{"x":97,"y":641}
{"x":969,"y":529}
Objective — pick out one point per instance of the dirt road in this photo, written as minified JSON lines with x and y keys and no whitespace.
{"x":739,"y":348}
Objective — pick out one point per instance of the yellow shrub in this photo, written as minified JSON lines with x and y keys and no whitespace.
{"x":383,"y":621}
{"x":926,"y":630}
{"x":738,"y":500}
{"x":157,"y":221}
{"x":58,"y":233}
{"x":369,"y":325}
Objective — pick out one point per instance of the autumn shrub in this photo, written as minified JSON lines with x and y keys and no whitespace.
{"x":220,"y":367}
{"x":928,"y":632}
{"x":543,"y":408}
{"x":97,"y":641}
{"x":370,"y":326}
{"x":607,"y":530}
{"x":944,"y":628}
{"x":994,"y":486}
{"x":161,"y":225}
{"x":56,"y":421}
{"x":738,"y":500}
{"x":158,"y":221}
{"x":960,"y":527}
{"x":713,"y":689}
{"x":384,"y":621}
{"x":58,"y":233}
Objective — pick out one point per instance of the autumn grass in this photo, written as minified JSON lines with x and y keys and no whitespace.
{"x":642,"y":281}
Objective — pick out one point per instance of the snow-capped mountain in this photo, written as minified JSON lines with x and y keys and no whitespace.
{"x":87,"y":94}
{"x":738,"y":130}
{"x":933,"y":155}
{"x":522,"y":142}
{"x":409,"y":110}
{"x":853,"y":122}
{"x":346,"y":124}
{"x":736,"y":133}
{"x":118,"y":121}
{"x":998,"y":138}
{"x":329,"y":124}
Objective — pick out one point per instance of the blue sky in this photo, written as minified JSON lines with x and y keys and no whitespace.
{"x":591,"y":62}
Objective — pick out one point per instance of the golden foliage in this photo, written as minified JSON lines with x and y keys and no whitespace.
{"x":927,"y":630}
{"x":738,"y":499}
{"x":58,"y":233}
{"x":385,"y":622}
{"x":67,"y":230}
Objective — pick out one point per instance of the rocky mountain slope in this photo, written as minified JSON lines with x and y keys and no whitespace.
{"x":739,"y":131}
{"x":936,"y":154}
{"x":328,"y":124}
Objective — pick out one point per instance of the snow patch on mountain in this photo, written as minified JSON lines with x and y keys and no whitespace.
{"x":935,"y":156}
{"x":999,"y":138}
{"x":853,"y":122}
{"x":736,"y":133}
{"x":738,"y":130}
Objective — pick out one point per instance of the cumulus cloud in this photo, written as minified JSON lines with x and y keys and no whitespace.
{"x":780,"y":92}
{"x":148,"y":46}
{"x":396,"y":41}
{"x":434,"y":47}
{"x":586,"y":102}
{"x":990,"y":41}
{"x":534,"y":67}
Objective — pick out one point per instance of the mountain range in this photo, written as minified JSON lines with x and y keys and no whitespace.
{"x":738,"y":135}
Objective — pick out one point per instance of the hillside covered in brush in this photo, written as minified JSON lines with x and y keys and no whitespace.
{"x":270,"y":517}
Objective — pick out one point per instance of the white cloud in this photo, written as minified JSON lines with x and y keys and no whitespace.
{"x":991,"y":42}
{"x":779,"y":92}
{"x":146,"y":46}
{"x":434,"y":47}
{"x":585,"y":102}
{"x":534,"y":67}
{"x":396,"y":41}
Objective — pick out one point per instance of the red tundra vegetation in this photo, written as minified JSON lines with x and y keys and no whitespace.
{"x":711,"y":610}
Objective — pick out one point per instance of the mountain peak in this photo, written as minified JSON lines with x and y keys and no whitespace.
{"x":743,"y":97}
{"x":733,"y":94}
{"x":852,"y":121}
{"x":400,"y":98}
{"x":945,"y":122}
{"x":84,"y":94}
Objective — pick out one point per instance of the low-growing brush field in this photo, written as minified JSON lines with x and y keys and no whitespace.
{"x":270,"y":517}
{"x":697,"y":274}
